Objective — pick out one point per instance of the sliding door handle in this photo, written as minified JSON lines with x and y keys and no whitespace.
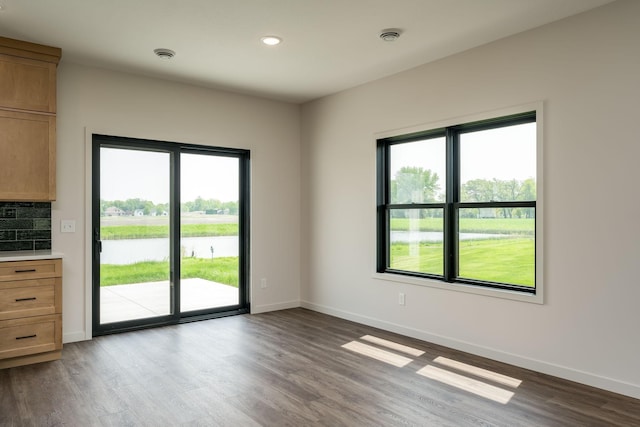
{"x":98,"y":242}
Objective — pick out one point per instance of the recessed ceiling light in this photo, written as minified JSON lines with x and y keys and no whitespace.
{"x":165,"y":54}
{"x":271,"y":40}
{"x":390,"y":35}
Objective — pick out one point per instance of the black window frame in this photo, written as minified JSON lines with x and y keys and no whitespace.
{"x":452,"y":203}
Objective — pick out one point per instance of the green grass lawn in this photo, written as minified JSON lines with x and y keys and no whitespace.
{"x":509,"y":260}
{"x":113,"y":232}
{"x":427,"y":260}
{"x":222,"y":270}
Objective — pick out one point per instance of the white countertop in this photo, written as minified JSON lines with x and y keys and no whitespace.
{"x":28,"y":255}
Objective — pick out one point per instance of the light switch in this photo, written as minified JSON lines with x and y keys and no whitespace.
{"x":67,"y":226}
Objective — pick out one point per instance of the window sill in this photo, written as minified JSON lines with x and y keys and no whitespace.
{"x":459,"y":287}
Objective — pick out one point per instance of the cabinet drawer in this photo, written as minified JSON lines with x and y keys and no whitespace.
{"x":21,"y":337}
{"x":27,"y":298}
{"x":24,"y":270}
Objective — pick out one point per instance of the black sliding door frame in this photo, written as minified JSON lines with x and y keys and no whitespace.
{"x":174,"y":150}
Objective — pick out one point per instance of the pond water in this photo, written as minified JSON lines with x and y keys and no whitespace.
{"x":128,"y":251}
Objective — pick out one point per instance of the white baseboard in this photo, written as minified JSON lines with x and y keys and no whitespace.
{"x":70,"y":337}
{"x":613,"y":385}
{"x":255,"y":309}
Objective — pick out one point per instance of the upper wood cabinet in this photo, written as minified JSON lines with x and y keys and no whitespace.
{"x":27,"y":84}
{"x":27,"y":121}
{"x":27,"y":156}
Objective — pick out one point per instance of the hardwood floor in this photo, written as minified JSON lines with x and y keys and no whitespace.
{"x":289,"y":368}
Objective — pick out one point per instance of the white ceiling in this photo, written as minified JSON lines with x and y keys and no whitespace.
{"x":329,"y":45}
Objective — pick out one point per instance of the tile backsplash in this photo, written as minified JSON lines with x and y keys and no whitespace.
{"x":25,"y":226}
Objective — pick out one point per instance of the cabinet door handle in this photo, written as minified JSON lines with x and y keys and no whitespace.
{"x":26,"y":299}
{"x":26,"y":336}
{"x":32,"y":270}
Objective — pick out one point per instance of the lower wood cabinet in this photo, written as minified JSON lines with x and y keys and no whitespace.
{"x":30,"y":312}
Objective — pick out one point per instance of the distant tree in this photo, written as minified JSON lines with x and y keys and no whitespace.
{"x":129,"y":206}
{"x":162,"y":207}
{"x":148,"y":207}
{"x":200,"y":204}
{"x":210,"y":206}
{"x":230,"y":207}
{"x":484,"y":190}
{"x":528,"y":190}
{"x":478,"y":190}
{"x":415,"y":185}
{"x":103,"y":206}
{"x":507,"y":190}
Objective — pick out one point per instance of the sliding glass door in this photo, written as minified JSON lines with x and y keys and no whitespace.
{"x":209,"y":237}
{"x":170,"y":233}
{"x":134,"y":270}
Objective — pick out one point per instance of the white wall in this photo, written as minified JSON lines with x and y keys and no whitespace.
{"x":133,"y":106}
{"x":586,"y":71}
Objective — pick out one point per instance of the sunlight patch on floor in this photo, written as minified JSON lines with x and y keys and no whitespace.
{"x":378,"y":354}
{"x":392,"y":345}
{"x":479,"y":372}
{"x":471,"y":385}
{"x":464,"y":379}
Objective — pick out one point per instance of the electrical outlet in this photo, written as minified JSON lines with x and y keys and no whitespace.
{"x":263,"y":283}
{"x":401,"y":298}
{"x":67,"y":226}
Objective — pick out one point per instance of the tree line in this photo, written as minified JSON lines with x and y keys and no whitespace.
{"x":130,"y":206}
{"x":418,"y":185}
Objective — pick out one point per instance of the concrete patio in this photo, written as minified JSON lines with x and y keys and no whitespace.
{"x":142,"y":300}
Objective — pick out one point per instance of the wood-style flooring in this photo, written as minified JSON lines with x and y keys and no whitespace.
{"x":289,"y":368}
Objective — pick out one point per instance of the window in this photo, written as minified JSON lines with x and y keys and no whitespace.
{"x":458,"y":203}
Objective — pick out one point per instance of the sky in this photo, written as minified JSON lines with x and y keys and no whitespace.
{"x":130,"y":174}
{"x":482,"y":154}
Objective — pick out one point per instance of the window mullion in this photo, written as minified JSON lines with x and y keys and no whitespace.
{"x":452,"y":197}
{"x":383,"y":208}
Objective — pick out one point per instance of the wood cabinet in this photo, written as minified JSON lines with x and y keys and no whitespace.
{"x":27,"y":121}
{"x":28,"y":160}
{"x":30,"y":311}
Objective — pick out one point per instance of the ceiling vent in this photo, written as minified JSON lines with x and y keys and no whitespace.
{"x":165,"y":54}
